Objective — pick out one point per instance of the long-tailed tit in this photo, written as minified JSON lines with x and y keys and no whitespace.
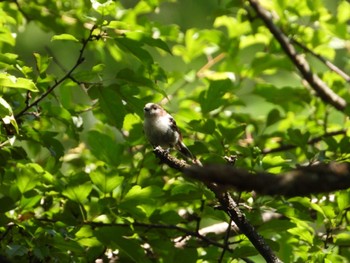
{"x":161,"y":130}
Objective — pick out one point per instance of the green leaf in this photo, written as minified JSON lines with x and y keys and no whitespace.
{"x":153,"y":42}
{"x":6,"y":37}
{"x":42,"y":62}
{"x":6,"y":204}
{"x":28,"y":176}
{"x":117,"y":238}
{"x":30,"y":202}
{"x":273,"y":117}
{"x":78,"y":193}
{"x":130,"y":76}
{"x":343,"y":199}
{"x":14,"y":250}
{"x":137,"y":195}
{"x":277,"y":225}
{"x":135,"y":48}
{"x":244,"y":251}
{"x":297,"y":138}
{"x":10,"y":81}
{"x":184,"y":188}
{"x":342,"y":239}
{"x":104,"y":147}
{"x":7,"y":115}
{"x":106,"y":182}
{"x":66,"y":37}
{"x":64,"y":244}
{"x":213,"y":98}
{"x":232,"y":132}
{"x":110,"y":104}
{"x":207,"y":126}
{"x":186,"y":255}
{"x":86,"y":237}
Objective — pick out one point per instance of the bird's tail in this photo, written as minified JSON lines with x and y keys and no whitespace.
{"x":187,"y":153}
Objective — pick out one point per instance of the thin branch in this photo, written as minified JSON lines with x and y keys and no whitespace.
{"x":78,"y":62}
{"x":60,"y":65}
{"x":227,"y":236}
{"x":22,"y":11}
{"x":8,"y":228}
{"x":321,"y":88}
{"x":315,"y":140}
{"x":163,"y":226}
{"x":211,"y":62}
{"x":318,"y":178}
{"x":329,"y":64}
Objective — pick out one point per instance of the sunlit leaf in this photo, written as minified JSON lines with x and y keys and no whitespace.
{"x":106,"y":182}
{"x":66,"y":37}
{"x":10,"y":81}
{"x":42,"y":62}
{"x":78,"y":193}
{"x":28,"y":176}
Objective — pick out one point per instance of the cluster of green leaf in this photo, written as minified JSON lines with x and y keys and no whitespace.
{"x":78,"y":181}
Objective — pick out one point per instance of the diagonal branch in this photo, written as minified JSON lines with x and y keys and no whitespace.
{"x":68,"y":75}
{"x":321,"y":88}
{"x":329,"y":64}
{"x":226,"y":201}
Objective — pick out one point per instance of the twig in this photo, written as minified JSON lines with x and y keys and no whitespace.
{"x":21,"y":11}
{"x":227,"y":236}
{"x":198,"y":218}
{"x":210,"y":63}
{"x":321,"y":88}
{"x":310,"y":142}
{"x":329,"y":64}
{"x":79,"y":61}
{"x":8,"y":228}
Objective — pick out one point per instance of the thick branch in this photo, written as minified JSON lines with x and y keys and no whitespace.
{"x":302,"y":181}
{"x":321,"y":88}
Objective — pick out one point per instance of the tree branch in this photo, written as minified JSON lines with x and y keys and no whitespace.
{"x":329,"y":64}
{"x":68,"y":75}
{"x":321,"y":88}
{"x":226,"y":201}
{"x":312,"y":141}
{"x":302,"y":181}
{"x":163,"y":226}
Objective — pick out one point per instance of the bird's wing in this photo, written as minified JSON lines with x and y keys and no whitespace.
{"x":174,"y":127}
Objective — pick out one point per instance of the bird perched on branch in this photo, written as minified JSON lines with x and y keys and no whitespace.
{"x":161,"y":130}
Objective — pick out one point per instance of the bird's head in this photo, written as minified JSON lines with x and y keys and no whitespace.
{"x":152,"y":110}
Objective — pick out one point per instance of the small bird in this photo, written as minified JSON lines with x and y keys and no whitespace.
{"x":161,"y":130}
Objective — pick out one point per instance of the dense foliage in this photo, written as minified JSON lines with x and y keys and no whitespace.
{"x":78,"y":180}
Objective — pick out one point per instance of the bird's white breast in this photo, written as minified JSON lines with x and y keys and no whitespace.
{"x":159,"y":131}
